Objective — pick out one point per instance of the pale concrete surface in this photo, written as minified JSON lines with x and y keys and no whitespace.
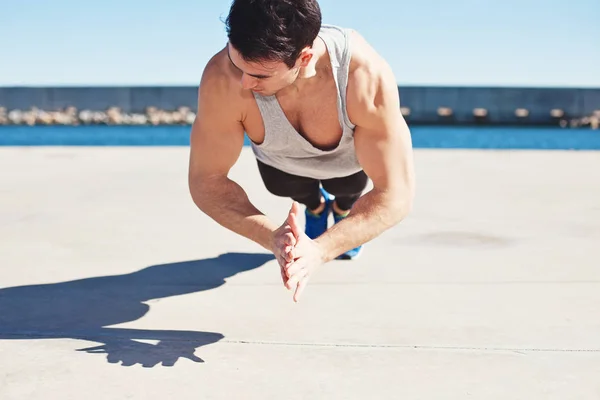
{"x":489,"y":290}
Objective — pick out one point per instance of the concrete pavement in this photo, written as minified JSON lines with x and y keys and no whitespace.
{"x":114,"y":286}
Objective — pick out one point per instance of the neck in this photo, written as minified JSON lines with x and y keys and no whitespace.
{"x":318,"y":64}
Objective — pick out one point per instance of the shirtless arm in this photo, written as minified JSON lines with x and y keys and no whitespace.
{"x":216,"y":140}
{"x":384,"y":150}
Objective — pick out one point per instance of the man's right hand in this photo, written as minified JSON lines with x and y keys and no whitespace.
{"x":282,"y":243}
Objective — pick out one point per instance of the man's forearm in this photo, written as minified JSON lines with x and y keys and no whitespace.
{"x":227,"y":203}
{"x":371,"y":215}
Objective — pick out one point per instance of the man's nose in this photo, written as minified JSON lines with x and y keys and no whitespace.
{"x":248,"y":82}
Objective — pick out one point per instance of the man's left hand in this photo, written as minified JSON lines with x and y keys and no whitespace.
{"x":307,"y":256}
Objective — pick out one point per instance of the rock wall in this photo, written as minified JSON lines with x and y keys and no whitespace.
{"x":420,"y":105}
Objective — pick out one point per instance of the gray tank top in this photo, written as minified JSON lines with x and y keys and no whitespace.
{"x":285,"y":149}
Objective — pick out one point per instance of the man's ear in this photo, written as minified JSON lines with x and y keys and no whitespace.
{"x":305,"y":57}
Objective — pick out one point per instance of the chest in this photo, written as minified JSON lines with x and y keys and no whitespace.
{"x":313,"y":115}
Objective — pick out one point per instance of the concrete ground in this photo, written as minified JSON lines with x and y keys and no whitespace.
{"x":114,"y":286}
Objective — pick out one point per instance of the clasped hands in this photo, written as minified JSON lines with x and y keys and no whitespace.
{"x":298,"y":255}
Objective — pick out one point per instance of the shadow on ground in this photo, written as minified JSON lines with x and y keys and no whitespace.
{"x":82,"y":309}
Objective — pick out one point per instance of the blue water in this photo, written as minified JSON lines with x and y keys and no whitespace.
{"x":423,"y":137}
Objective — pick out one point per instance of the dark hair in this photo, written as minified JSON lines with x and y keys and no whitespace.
{"x":273,"y":30}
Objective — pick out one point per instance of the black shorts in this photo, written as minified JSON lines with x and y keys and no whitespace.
{"x":306,"y":190}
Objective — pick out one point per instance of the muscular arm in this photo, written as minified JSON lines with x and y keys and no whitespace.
{"x":384,"y":150}
{"x":216,"y":141}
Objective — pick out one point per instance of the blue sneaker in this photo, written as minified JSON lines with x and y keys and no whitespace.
{"x":316,"y":225}
{"x":350,"y":254}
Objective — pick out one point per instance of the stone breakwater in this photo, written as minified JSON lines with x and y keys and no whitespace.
{"x":70,"y":116}
{"x":421,"y":105}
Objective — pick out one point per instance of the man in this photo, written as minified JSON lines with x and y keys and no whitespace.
{"x":321,"y":109}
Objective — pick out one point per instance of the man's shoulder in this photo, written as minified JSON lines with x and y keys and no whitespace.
{"x":367,"y":66}
{"x":218,"y":78}
{"x":372,"y":93}
{"x":370,"y":75}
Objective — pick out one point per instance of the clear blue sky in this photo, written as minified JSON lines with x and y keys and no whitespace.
{"x":460,"y":42}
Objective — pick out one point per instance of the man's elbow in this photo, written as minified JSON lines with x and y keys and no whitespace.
{"x":400,"y":206}
{"x":200,"y":191}
{"x":402,"y":209}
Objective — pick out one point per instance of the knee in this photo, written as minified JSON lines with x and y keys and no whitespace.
{"x":282,"y":188}
{"x":352,"y":186}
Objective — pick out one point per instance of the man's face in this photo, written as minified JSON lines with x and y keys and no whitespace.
{"x":264,"y":78}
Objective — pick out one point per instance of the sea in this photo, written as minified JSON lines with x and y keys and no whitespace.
{"x":444,"y":137}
